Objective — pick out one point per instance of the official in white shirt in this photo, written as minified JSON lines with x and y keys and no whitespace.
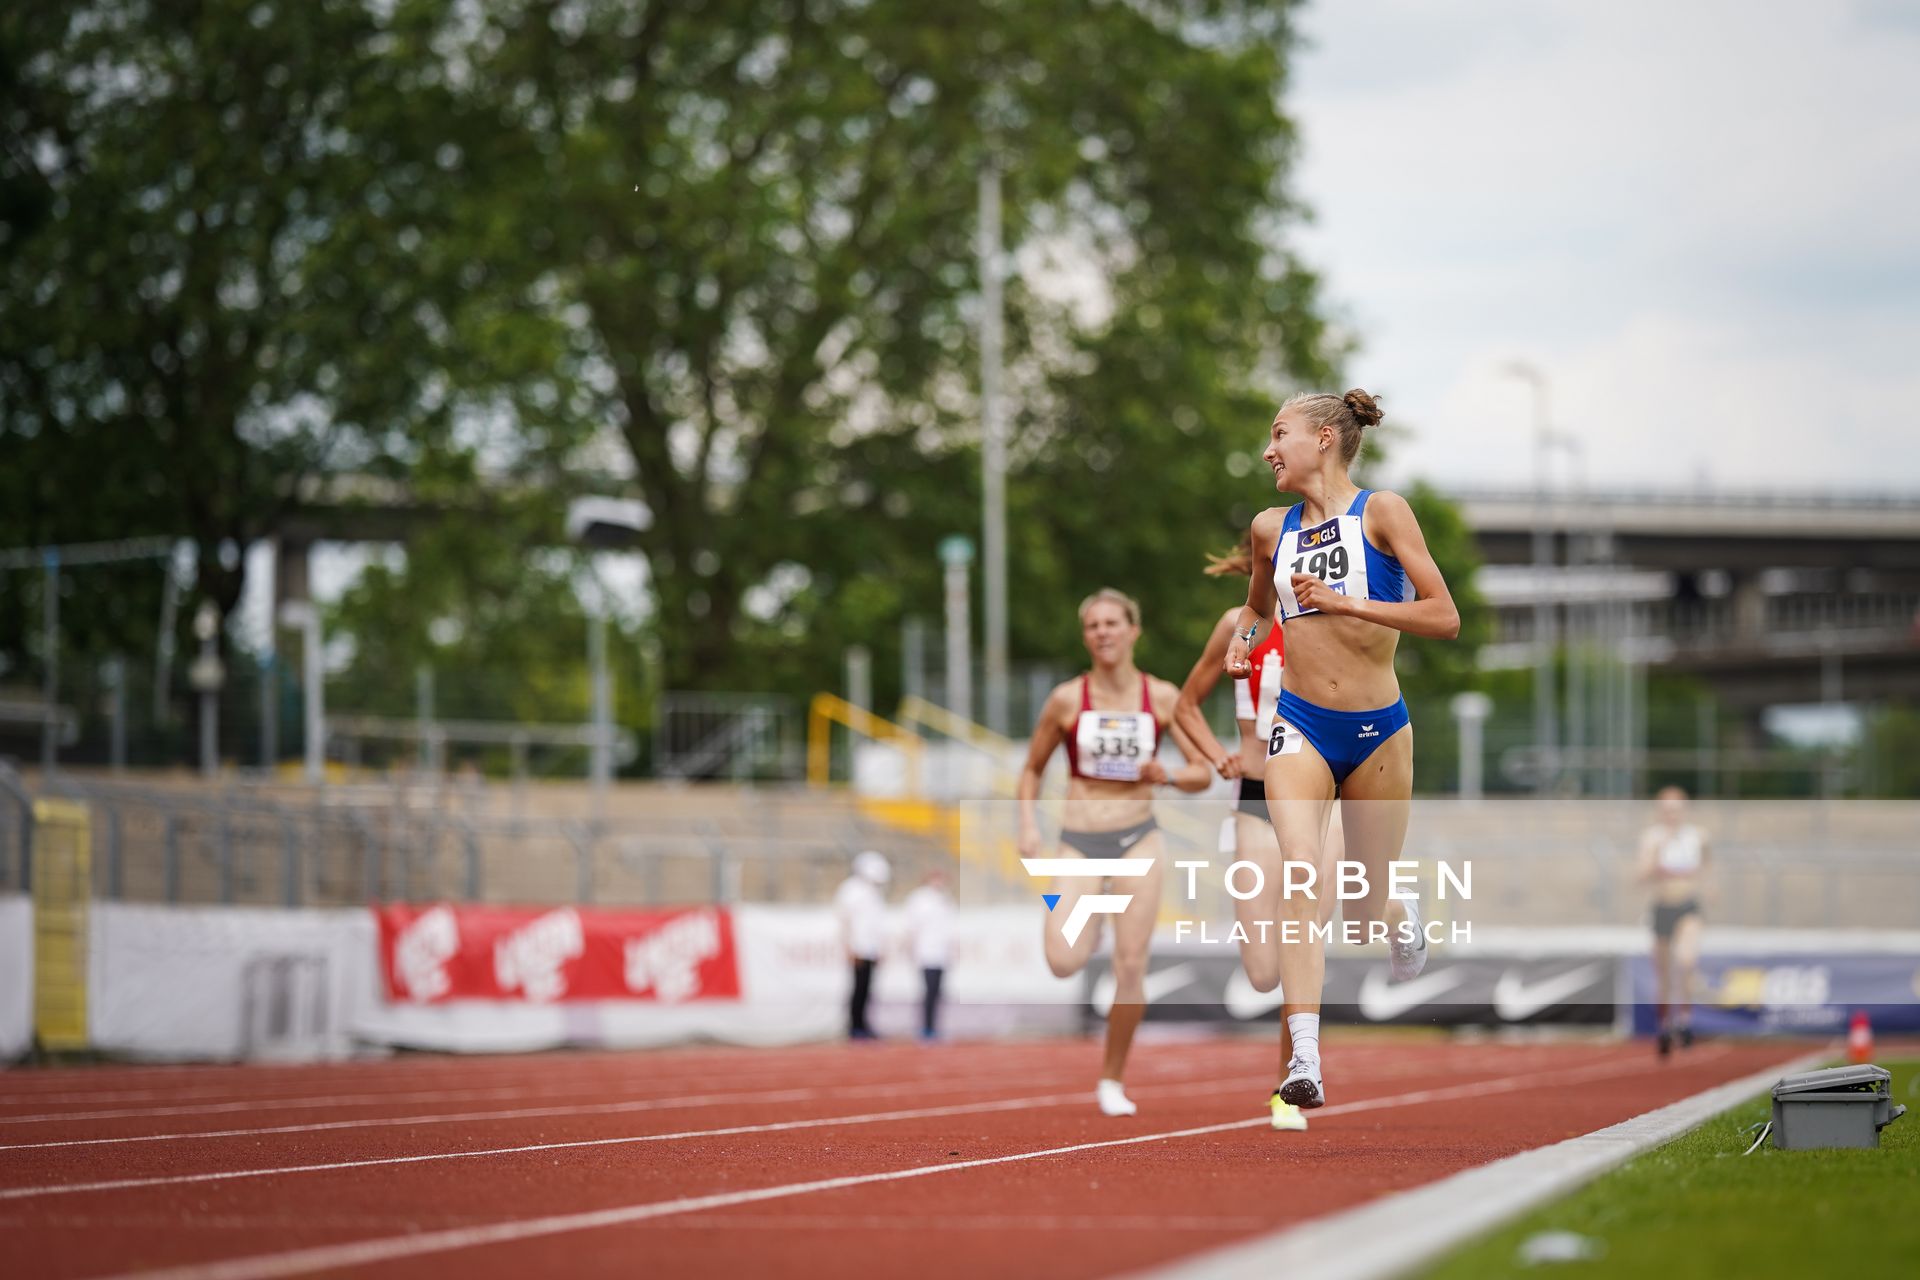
{"x":861,"y":904}
{"x":930,"y":915}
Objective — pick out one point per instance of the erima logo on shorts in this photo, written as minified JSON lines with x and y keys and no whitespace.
{"x":1320,"y":535}
{"x":1089,"y":905}
{"x":1368,"y":731}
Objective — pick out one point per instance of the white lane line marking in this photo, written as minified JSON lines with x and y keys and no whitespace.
{"x":308,"y":1103}
{"x":777,"y":1126}
{"x":687,"y":1102}
{"x":1160,"y":1068}
{"x":514,"y":1094}
{"x":613,"y":1070}
{"x":1372,"y":1241}
{"x":295,"y":1262}
{"x":1215,"y":1085}
{"x":707,"y":1222}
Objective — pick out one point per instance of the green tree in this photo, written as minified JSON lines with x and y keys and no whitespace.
{"x":225,"y":275}
{"x":1888,"y":756}
{"x":501,"y":628}
{"x":757,"y":221}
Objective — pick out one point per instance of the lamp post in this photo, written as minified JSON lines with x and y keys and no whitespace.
{"x":602,"y":523}
{"x":993,"y":451}
{"x":206,"y":676}
{"x":301,"y":616}
{"x":1546,"y":731}
{"x":956,"y":553}
{"x":1470,"y":711}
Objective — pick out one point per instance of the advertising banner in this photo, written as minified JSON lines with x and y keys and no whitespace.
{"x":445,"y":951}
{"x":1478,"y":991}
{"x":1812,"y":994}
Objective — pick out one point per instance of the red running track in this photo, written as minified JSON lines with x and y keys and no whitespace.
{"x":822,"y":1161}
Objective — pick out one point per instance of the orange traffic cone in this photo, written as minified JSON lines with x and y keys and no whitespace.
{"x":1860,"y":1037}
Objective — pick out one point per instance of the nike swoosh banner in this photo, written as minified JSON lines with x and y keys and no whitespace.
{"x":1482,"y":991}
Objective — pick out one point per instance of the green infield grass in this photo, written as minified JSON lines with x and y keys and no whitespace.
{"x":1697,"y":1207}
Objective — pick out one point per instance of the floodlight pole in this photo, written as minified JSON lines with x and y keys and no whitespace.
{"x":303,"y":615}
{"x":50,"y":630}
{"x":1546,"y":731}
{"x":601,"y":685}
{"x":1470,"y":711}
{"x":993,"y":451}
{"x":956,"y":553}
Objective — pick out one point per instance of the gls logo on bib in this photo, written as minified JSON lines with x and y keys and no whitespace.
{"x":1320,"y":535}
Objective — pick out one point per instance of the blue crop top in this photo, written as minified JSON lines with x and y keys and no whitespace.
{"x":1323,"y":551}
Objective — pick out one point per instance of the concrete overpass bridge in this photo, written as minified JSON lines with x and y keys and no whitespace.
{"x":1762,"y":595}
{"x":1738,"y":533}
{"x":1768,"y":598}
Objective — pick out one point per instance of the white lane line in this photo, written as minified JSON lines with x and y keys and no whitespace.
{"x":1032,"y":1101}
{"x":712,"y":1222}
{"x":307,"y":1103}
{"x":685,"y":1102}
{"x":1374,"y":1241}
{"x":295,"y":1262}
{"x":1157,"y":1068}
{"x":1215,"y":1085}
{"x":311,"y":1103}
{"x":616,"y":1069}
{"x":934,"y":1064}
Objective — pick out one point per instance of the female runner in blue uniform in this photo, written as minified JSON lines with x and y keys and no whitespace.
{"x":1250,"y":838}
{"x":1110,"y":721}
{"x":1342,"y":561}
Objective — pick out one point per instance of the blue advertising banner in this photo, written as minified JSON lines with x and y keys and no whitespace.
{"x":1812,"y":994}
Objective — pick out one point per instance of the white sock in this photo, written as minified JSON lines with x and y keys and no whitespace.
{"x":1305,"y":1029}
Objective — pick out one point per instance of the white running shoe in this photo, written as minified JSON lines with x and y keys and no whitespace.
{"x":1286,"y":1116}
{"x":1113,"y":1099}
{"x":1302,"y":1086}
{"x":1407,"y":959}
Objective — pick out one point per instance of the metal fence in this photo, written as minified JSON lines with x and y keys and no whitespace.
{"x":736,"y":736}
{"x":246,"y":844}
{"x":1570,"y":863}
{"x":1536,"y":864}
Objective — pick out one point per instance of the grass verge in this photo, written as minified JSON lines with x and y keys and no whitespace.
{"x":1697,"y":1207}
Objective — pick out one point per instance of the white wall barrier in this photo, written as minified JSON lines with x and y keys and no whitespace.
{"x":228,"y":982}
{"x":16,"y":975}
{"x":239,"y":983}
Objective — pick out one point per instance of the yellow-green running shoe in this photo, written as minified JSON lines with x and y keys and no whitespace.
{"x":1286,"y":1116}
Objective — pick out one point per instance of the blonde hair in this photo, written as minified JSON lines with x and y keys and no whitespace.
{"x":1237,"y":563}
{"x":1127,"y":603}
{"x":1348,"y":415}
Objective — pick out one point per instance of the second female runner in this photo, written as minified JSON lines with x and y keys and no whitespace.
{"x":1110,"y":722}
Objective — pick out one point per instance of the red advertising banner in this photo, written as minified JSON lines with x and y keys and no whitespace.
{"x":450,"y":952}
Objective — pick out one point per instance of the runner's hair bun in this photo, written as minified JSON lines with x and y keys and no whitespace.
{"x":1365,"y":411}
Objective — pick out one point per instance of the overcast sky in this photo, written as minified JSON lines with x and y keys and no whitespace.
{"x":1698,"y":219}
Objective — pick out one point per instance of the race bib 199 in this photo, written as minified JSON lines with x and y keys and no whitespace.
{"x":1331,"y":552}
{"x":1113,"y":744}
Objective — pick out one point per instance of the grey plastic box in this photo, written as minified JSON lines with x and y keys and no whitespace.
{"x":1838,"y":1107}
